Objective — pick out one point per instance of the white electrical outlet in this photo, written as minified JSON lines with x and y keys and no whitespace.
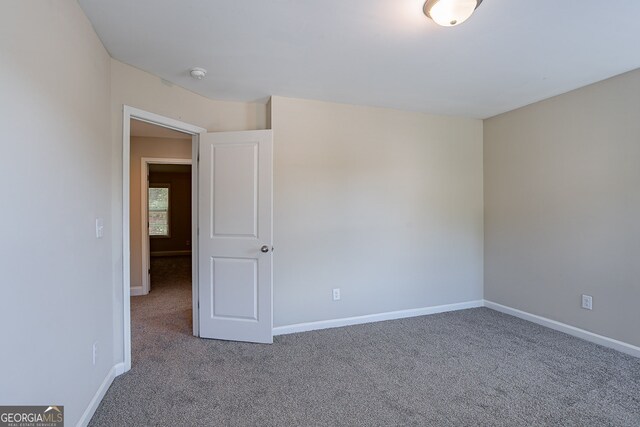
{"x":95,"y":352}
{"x":336,"y":294}
{"x":587,"y":302}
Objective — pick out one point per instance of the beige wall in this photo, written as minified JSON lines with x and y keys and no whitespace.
{"x":136,"y":88}
{"x":140,"y":89}
{"x":562,"y":207}
{"x":384,"y":204}
{"x":56,"y":275}
{"x":165,"y":148}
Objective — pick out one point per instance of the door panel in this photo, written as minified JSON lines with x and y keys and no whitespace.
{"x":234,"y":287}
{"x":235,"y":207}
{"x":235,"y":275}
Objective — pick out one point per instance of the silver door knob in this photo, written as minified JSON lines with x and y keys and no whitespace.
{"x":264,"y":249}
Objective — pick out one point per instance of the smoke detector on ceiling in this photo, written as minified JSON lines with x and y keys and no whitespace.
{"x":198,"y":73}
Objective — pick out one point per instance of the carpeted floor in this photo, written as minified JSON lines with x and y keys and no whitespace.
{"x":471,"y":367}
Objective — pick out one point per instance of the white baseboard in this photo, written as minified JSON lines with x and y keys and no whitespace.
{"x":137,"y":291}
{"x":170,"y":253}
{"x":97,"y":398}
{"x":119,"y":369}
{"x":369,"y":318}
{"x":558,"y":326}
{"x":567,"y":329}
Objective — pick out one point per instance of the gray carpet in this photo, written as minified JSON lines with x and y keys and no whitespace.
{"x":471,"y":367}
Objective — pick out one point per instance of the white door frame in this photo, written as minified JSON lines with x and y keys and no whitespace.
{"x":144,"y":211}
{"x":129,"y":113}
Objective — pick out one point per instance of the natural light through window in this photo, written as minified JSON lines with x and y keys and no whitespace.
{"x":159,"y":210}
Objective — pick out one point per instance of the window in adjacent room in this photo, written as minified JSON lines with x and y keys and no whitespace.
{"x":159,"y":218}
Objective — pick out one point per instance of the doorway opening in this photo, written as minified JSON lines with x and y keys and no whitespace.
{"x":165,"y":214}
{"x":161,"y":231}
{"x":159,"y":225}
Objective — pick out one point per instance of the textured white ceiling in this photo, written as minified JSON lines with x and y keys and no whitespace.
{"x":375,"y":52}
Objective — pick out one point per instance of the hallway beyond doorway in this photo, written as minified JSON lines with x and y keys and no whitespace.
{"x":165,"y":313}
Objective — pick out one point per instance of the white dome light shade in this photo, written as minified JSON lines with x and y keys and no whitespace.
{"x":449,"y":13}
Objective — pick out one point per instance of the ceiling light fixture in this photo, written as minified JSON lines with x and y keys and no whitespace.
{"x":449,"y":13}
{"x":198,"y":73}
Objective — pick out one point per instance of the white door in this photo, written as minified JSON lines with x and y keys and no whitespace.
{"x":235,"y":252}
